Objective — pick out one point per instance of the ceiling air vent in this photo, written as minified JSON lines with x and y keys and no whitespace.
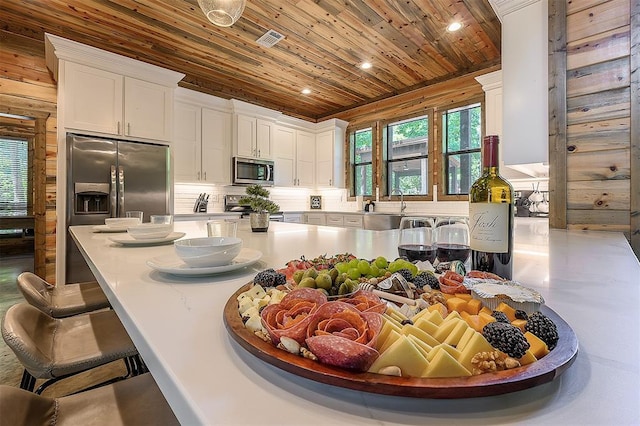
{"x":269,"y":38}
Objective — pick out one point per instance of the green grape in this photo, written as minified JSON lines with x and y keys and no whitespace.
{"x":381,"y":262}
{"x":353,"y":263}
{"x":342,"y":267}
{"x":395,"y":266}
{"x":364,"y":267}
{"x":354,"y":273}
{"x":375,"y":271}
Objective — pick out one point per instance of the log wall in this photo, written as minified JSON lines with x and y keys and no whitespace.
{"x":602,"y":147}
{"x":27,"y":88}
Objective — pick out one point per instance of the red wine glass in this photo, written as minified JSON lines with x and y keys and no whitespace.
{"x":416,"y":239}
{"x":451,"y":238}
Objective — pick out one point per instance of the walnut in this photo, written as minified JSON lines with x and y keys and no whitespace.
{"x":488,"y":362}
{"x":263,"y":335}
{"x":434,"y":296}
{"x":306,"y":353}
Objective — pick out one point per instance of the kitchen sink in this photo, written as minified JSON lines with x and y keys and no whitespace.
{"x":381,"y":221}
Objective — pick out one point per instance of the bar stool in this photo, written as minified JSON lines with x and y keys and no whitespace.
{"x":135,"y":401}
{"x":61,"y":301}
{"x":56,"y":348}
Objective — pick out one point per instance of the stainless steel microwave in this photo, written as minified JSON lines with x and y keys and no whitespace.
{"x":248,"y":171}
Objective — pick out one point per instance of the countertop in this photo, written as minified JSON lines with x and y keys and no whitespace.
{"x":591,"y":279}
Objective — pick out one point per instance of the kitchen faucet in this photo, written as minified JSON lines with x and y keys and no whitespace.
{"x":402,"y":203}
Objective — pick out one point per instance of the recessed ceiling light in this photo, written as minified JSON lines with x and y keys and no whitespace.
{"x":306,"y":91}
{"x":365,"y":65}
{"x":454,"y":26}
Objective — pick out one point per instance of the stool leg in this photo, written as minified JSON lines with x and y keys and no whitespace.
{"x":28,"y":382}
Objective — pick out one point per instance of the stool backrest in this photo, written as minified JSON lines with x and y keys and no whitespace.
{"x":30,"y":333}
{"x":36,"y":291}
{"x":23,"y":408}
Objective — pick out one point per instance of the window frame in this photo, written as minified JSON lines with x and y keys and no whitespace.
{"x":351,"y":158}
{"x":431,"y":172}
{"x":443,"y":156}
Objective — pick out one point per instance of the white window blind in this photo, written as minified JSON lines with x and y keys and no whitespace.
{"x":14,"y":167}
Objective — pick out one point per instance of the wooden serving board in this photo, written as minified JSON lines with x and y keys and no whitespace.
{"x":541,"y":371}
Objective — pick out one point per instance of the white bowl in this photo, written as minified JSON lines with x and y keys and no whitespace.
{"x":147,"y":231}
{"x":120,"y":222}
{"x":208,"y":251}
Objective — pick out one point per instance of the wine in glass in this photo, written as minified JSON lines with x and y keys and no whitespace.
{"x":416,"y":239}
{"x":451,"y":237}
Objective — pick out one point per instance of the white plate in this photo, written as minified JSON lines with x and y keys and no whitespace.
{"x":107,"y":228}
{"x":172,"y":264}
{"x":128,"y":240}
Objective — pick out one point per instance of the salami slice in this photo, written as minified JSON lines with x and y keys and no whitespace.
{"x":341,"y":352}
{"x":292,"y":315}
{"x":366,"y":301}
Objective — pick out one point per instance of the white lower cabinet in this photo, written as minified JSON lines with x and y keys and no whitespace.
{"x":352,"y":220}
{"x":316,"y":219}
{"x":294,"y":217}
{"x":333,"y":219}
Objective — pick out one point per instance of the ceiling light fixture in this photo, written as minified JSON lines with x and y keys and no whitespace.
{"x":454,"y":26}
{"x":306,"y":91}
{"x":223,"y":13}
{"x":365,"y":65}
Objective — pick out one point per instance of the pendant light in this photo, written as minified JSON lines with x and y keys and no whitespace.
{"x":223,"y":13}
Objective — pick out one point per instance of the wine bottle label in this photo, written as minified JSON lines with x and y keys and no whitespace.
{"x":489,"y":227}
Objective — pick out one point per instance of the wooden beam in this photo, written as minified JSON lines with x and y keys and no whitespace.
{"x":40,"y":201}
{"x":557,"y":114}
{"x":635,"y":127}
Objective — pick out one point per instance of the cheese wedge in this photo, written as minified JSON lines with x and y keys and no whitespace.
{"x":444,"y":365}
{"x":403,"y":354}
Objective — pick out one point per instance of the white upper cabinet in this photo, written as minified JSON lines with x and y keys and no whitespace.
{"x":305,"y":158}
{"x":216,"y":146}
{"x":187,"y":142}
{"x":294,"y":157}
{"x":253,"y":137}
{"x":284,"y":156}
{"x":201,"y":144}
{"x":101,"y":101}
{"x":330,"y":154}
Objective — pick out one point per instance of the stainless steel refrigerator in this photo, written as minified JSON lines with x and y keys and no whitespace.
{"x":106,"y":178}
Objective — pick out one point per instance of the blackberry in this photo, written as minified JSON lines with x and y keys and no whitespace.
{"x":520,"y":314}
{"x":269,"y":278}
{"x":544,"y":328}
{"x":506,"y":338}
{"x":500,"y":317}
{"x":426,"y":279}
{"x":406,"y":274}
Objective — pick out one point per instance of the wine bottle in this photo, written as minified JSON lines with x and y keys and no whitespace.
{"x":491,"y":216}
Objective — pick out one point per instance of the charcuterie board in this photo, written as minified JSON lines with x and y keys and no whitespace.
{"x":542,"y":371}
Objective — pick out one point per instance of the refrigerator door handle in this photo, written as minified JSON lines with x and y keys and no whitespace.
{"x":121,"y":191}
{"x":112,"y":194}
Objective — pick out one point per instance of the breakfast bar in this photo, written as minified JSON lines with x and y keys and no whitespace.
{"x":590,"y":279}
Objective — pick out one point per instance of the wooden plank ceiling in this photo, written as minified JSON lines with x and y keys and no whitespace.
{"x":325,"y":42}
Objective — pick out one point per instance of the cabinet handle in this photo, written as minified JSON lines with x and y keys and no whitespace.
{"x":205,"y":176}
{"x":118,"y":127}
{"x":197,"y":175}
{"x":258,"y":153}
{"x":129,"y":129}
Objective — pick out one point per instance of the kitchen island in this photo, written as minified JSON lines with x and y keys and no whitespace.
{"x":591,"y":279}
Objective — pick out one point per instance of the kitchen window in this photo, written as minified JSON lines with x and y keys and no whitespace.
{"x":407,"y":151}
{"x":461,"y":138}
{"x":361,"y":153}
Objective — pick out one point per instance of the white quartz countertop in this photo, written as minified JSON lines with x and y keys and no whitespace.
{"x":591,"y":279}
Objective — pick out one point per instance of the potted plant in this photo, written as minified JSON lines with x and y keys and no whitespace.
{"x":258,"y":199}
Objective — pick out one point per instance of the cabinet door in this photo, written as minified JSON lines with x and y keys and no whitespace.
{"x":186,"y":142}
{"x":353,"y":221}
{"x":147,"y":110}
{"x":93,"y":99}
{"x":284,"y":156}
{"x":264,"y":130}
{"x":316,"y":219}
{"x":324,"y":159}
{"x":216,"y":146}
{"x":305,"y":158}
{"x":245,"y":138}
{"x":335,"y":219}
